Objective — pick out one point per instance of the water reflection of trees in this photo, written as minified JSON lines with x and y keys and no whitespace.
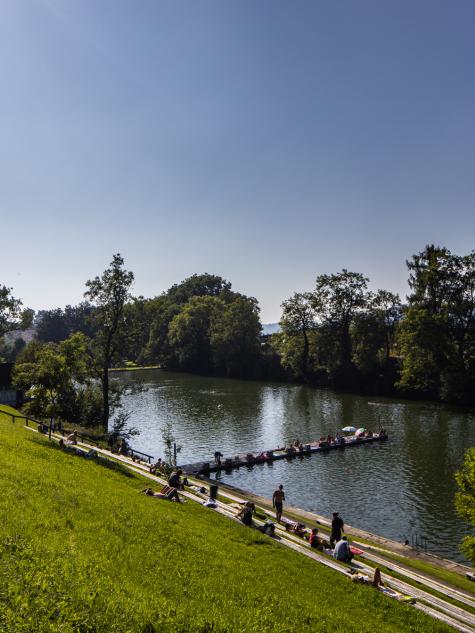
{"x":393,"y":488}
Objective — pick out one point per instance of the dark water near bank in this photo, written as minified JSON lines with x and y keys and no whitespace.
{"x":400,"y":488}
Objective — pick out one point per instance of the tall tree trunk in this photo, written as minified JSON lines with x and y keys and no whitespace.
{"x":345,"y":357}
{"x":105,"y":397}
{"x":305,"y":355}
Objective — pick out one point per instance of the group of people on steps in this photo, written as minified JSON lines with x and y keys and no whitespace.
{"x":338,"y":542}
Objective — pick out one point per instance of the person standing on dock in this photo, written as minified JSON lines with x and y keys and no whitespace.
{"x":278,"y":502}
{"x":337,"y":529}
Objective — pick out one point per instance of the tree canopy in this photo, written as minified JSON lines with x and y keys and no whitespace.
{"x":9,"y":310}
{"x":465,"y":499}
{"x":109,"y":294}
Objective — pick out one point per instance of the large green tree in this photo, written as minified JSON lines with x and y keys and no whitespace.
{"x":202,"y":325}
{"x":234,"y":337}
{"x":337,"y":300}
{"x":189,"y":333}
{"x":297,"y":324}
{"x":109,"y":294}
{"x":437,"y":335}
{"x":465,"y":499}
{"x":9,"y":310}
{"x":59,"y":380}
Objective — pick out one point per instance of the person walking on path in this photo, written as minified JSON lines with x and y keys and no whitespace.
{"x":278,"y":502}
{"x":337,"y":529}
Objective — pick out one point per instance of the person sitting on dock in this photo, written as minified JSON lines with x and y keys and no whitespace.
{"x":342,"y":551}
{"x":339,"y":439}
{"x":278,"y":499}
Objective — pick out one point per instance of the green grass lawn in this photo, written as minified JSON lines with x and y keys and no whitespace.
{"x":82,"y":550}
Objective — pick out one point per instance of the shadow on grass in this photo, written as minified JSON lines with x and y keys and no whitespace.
{"x":98,"y":460}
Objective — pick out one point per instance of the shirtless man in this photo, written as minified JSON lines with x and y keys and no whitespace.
{"x":278,"y":502}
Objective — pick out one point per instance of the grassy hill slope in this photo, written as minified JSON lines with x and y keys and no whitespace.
{"x":82,"y":550}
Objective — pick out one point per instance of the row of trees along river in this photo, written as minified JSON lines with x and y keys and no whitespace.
{"x":339,"y":335}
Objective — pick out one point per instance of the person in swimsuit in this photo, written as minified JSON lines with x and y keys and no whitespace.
{"x":278,"y":502}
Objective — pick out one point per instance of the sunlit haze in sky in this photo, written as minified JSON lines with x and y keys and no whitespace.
{"x":264,"y":141}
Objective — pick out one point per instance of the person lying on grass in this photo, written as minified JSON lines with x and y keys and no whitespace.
{"x":366,"y":580}
{"x":90,"y":454}
{"x":167,"y":492}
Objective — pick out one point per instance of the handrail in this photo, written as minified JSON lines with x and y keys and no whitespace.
{"x":149,"y":457}
{"x":85,"y":438}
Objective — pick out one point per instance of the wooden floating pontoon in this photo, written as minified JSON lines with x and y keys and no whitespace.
{"x":250,"y":459}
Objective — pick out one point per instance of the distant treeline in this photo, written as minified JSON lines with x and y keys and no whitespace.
{"x":340,"y":334}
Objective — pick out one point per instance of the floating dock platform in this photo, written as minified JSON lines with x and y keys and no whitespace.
{"x":251,"y":459}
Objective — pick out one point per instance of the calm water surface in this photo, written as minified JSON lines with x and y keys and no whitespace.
{"x":400,"y":488}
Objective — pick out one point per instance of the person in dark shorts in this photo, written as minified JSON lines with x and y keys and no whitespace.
{"x":278,"y":502}
{"x":337,"y":529}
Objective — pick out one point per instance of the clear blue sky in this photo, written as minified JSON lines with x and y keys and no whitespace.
{"x":265,"y":141}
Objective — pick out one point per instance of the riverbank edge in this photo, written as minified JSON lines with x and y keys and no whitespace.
{"x":398,"y":549}
{"x":145,"y":368}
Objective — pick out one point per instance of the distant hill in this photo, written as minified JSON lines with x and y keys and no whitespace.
{"x":270,"y":328}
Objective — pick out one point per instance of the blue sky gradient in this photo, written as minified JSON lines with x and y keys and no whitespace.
{"x":266,"y":141}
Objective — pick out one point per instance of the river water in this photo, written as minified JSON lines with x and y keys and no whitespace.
{"x":402,"y":488}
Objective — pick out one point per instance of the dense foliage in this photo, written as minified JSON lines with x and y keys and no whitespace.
{"x":59,"y":381}
{"x":82,"y":551}
{"x":437,"y":336}
{"x":465,"y":500}
{"x":202,"y":325}
{"x":343,"y":335}
{"x":340,"y":334}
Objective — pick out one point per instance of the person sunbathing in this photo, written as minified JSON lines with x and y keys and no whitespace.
{"x":72,"y":438}
{"x":167,"y":492}
{"x":366,"y":580}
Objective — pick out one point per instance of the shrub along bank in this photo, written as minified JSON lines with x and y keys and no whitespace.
{"x":82,"y":550}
